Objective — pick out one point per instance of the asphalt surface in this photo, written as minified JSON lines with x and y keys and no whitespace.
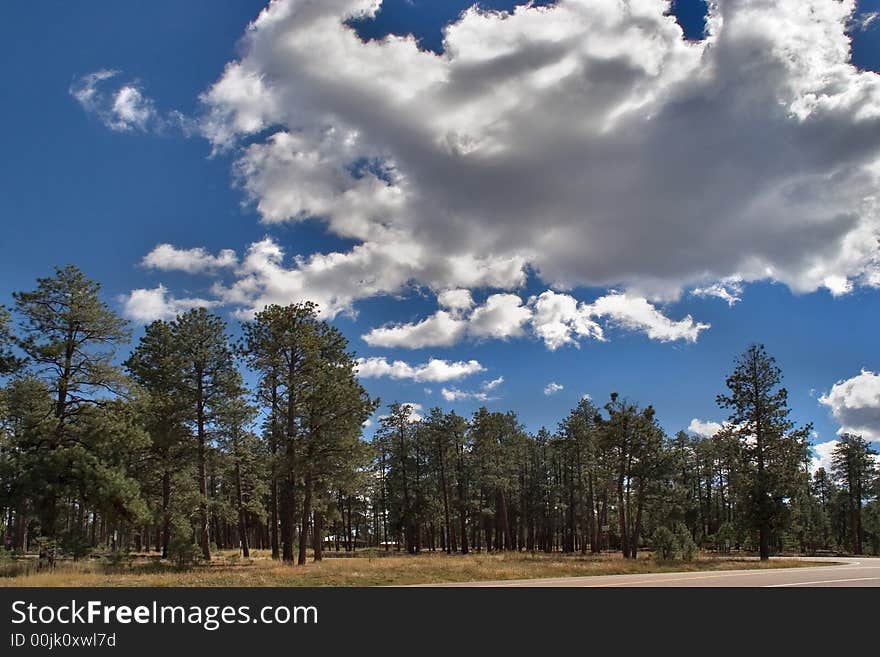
{"x":840,"y":571}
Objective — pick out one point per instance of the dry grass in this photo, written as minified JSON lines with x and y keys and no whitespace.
{"x":368,"y":570}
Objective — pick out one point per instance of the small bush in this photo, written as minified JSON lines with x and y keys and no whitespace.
{"x":677,"y":545}
{"x":687,"y":549}
{"x":76,"y":544}
{"x":182,"y":549}
{"x":663,"y":543}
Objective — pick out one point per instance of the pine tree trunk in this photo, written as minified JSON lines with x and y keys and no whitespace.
{"x":242,"y":515}
{"x":273,"y":486}
{"x":286,"y":511}
{"x":166,"y":511}
{"x":306,"y":520}
{"x":204,"y":538}
{"x":318,"y":536}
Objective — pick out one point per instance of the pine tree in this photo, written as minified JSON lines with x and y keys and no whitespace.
{"x":243,"y":456}
{"x":396,"y":437}
{"x":157,"y":365}
{"x":70,"y":337}
{"x":209,"y":377}
{"x":773,"y":448}
{"x":853,"y":467}
{"x":333,"y":409}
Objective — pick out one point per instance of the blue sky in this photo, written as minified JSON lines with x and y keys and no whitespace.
{"x":77,"y":190}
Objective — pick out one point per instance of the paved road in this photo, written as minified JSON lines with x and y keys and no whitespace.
{"x":841,"y":571}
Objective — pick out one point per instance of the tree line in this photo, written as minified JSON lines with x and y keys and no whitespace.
{"x":167,"y":450}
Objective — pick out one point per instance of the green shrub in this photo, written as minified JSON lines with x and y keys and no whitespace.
{"x":663,"y":543}
{"x":674,"y":545}
{"x":75,"y":543}
{"x":686,"y":548}
{"x":182,"y":549}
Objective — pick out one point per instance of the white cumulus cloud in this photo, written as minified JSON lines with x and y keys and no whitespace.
{"x":555,"y":318}
{"x":435,"y":370}
{"x":167,"y":257}
{"x":855,"y":404}
{"x":455,"y":300}
{"x":502,"y":316}
{"x":822,"y":456}
{"x":706,"y":428}
{"x":552,"y":388}
{"x":147,"y":305}
{"x":588,"y":142}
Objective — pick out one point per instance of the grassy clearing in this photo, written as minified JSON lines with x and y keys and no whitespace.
{"x":369,"y":570}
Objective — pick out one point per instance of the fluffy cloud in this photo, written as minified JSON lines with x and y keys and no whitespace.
{"x":147,"y":305}
{"x":552,"y":388}
{"x":501,"y":316}
{"x":440,"y":330}
{"x":455,"y":300}
{"x":555,"y":318}
{"x":822,"y":456}
{"x":333,"y":280}
{"x":855,"y":404}
{"x":586,"y":141}
{"x":635,"y":313}
{"x":559,"y":319}
{"x":435,"y":370}
{"x":494,"y":383}
{"x":455,"y":395}
{"x":706,"y":429}
{"x":192,"y":261}
{"x":123,"y":109}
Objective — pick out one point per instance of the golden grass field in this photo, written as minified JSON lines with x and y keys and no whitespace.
{"x":366,"y":569}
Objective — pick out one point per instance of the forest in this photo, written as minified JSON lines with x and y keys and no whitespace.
{"x":166,"y":450}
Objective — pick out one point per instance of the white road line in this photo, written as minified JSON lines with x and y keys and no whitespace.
{"x":823,"y":581}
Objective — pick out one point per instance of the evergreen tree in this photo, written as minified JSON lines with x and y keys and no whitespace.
{"x":635,"y":441}
{"x":70,"y":337}
{"x":157,"y":365}
{"x":853,"y":467}
{"x":209,"y":377}
{"x":773,"y":448}
{"x":333,"y":408}
{"x":395,"y":438}
{"x":243,"y":457}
